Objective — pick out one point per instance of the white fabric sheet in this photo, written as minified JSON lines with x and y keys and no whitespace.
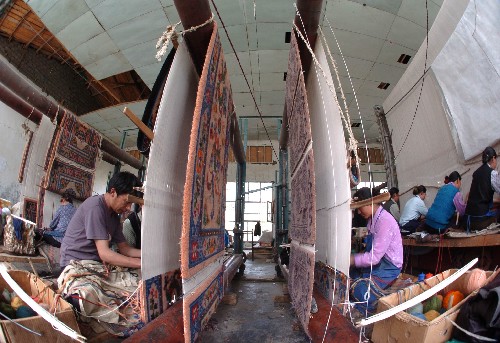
{"x":468,"y":71}
{"x":333,"y":216}
{"x":166,"y":173}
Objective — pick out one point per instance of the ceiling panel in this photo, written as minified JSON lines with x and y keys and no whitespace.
{"x":232,"y":12}
{"x":149,"y":72}
{"x":232,"y":63}
{"x":40,"y":7}
{"x":274,"y":11}
{"x":113,"y":12}
{"x":143,"y":54}
{"x":238,"y":36}
{"x":355,"y":45}
{"x":63,"y":13}
{"x":109,"y":66}
{"x":269,"y":82}
{"x":415,"y":11}
{"x":354,"y":17}
{"x":406,"y":33}
{"x":271,"y":36}
{"x":391,"y":52}
{"x":139,"y":29}
{"x":172,"y":16}
{"x":79,"y":31}
{"x":391,"y":6}
{"x":272,"y":97}
{"x":270,"y":61}
{"x":385,"y":73}
{"x":91,"y":3}
{"x":95,"y":49}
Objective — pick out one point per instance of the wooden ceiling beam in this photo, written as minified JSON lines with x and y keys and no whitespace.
{"x":19,"y":24}
{"x":34,"y":37}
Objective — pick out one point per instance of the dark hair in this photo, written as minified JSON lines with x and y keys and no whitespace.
{"x":393,"y":190}
{"x":454,"y":176}
{"x":124,"y":183}
{"x":419,"y":189}
{"x":68,"y":197}
{"x":362,"y":194}
{"x":488,"y":154}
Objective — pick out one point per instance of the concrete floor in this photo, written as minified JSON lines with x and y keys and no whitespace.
{"x":256,"y":317}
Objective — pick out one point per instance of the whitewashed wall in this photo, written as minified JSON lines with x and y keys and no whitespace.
{"x":12,"y":143}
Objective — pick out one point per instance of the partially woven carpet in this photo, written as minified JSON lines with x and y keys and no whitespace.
{"x":303,"y":215}
{"x":72,"y":159}
{"x":301,"y":281}
{"x":199,"y":305}
{"x":303,"y":189}
{"x":205,"y":188}
{"x":330,"y":283}
{"x":297,"y":107}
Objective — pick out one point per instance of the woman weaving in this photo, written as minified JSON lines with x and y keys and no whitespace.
{"x":381,"y":263}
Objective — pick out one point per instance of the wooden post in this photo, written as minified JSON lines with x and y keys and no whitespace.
{"x":140,"y":125}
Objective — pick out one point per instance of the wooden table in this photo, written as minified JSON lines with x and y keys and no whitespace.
{"x":476,"y":241}
{"x":451,"y":253}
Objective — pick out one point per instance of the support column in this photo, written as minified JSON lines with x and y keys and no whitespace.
{"x":389,"y":160}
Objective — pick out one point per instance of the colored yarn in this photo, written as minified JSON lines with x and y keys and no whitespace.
{"x":25,"y":312}
{"x":418,"y":308}
{"x":16,"y":302}
{"x":452,"y":298}
{"x":431,"y":315}
{"x":428,"y":275}
{"x":6,"y":295}
{"x":474,"y":280}
{"x":434,"y":303}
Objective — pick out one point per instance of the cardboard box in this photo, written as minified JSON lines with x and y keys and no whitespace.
{"x":404,"y":327}
{"x":34,"y":286}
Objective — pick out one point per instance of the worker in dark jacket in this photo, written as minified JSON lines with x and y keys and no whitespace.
{"x":485,"y":182}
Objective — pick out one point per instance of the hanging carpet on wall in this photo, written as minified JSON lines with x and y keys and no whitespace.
{"x":72,"y":160}
{"x":303,"y":214}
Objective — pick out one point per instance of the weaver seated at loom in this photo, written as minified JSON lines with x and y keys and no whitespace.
{"x":96,"y":279}
{"x":54,"y":234}
{"x":414,"y":211}
{"x":480,"y":211}
{"x":448,"y":201}
{"x":381,"y":263}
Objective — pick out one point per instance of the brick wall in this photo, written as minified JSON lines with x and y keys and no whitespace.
{"x":58,"y":80}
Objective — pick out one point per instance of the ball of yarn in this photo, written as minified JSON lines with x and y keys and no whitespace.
{"x":418,"y":308}
{"x":16,"y":302}
{"x":452,"y":298}
{"x":474,"y":280}
{"x":420,"y":315}
{"x":434,"y":303}
{"x":428,"y":275}
{"x":431,"y":315}
{"x":25,"y":312}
